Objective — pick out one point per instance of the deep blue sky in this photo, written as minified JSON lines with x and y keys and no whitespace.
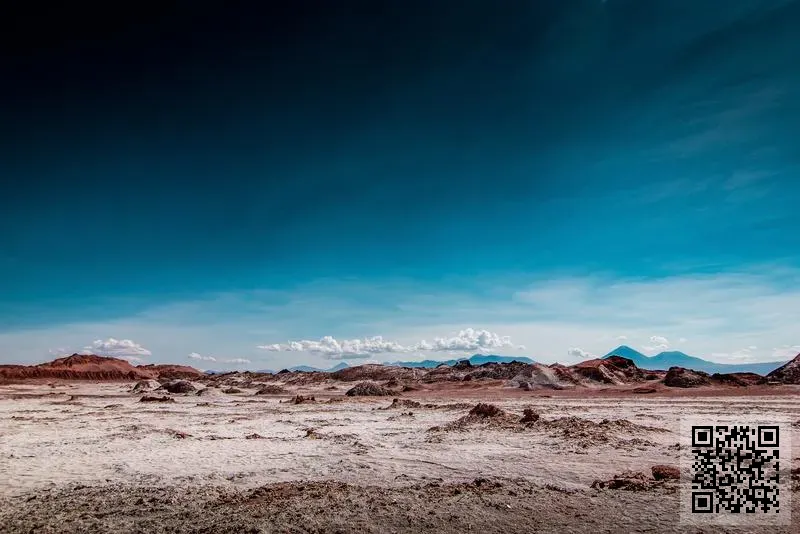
{"x":364,"y":157}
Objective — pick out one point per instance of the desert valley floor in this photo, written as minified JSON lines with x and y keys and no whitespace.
{"x":91,"y":457}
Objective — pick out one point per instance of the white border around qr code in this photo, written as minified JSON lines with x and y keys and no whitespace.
{"x":758,"y":519}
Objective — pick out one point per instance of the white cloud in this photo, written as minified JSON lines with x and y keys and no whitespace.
{"x":657,"y":344}
{"x":467,"y":340}
{"x":236,"y":360}
{"x":684,"y":340}
{"x":195,"y":356}
{"x":334,"y":349}
{"x":118,"y":348}
{"x":576,"y":352}
{"x":622,"y":338}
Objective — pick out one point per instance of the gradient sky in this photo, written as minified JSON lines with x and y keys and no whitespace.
{"x":563,"y":175}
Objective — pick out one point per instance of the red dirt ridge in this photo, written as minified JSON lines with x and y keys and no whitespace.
{"x":90,"y":367}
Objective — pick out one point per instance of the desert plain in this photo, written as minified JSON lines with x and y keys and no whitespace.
{"x":292,"y":454}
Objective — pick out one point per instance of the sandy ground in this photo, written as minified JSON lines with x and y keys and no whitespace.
{"x":88,"y":457}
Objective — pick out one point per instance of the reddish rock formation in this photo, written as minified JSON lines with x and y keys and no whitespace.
{"x":93,"y":367}
{"x":787,"y":374}
{"x":76,"y":367}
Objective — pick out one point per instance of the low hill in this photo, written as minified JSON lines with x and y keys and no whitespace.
{"x":172,"y":371}
{"x":788,"y":373}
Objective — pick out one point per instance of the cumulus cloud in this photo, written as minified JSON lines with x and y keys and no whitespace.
{"x":467,"y":340}
{"x":333,"y":349}
{"x":236,"y":360}
{"x":119,"y":348}
{"x":657,"y":344}
{"x":575,"y":352}
{"x":200,"y":357}
{"x":622,"y":338}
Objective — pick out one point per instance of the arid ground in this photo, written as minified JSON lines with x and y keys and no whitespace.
{"x":91,"y":457}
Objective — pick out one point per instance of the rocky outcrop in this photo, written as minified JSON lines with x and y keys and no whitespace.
{"x":369,"y":389}
{"x":678,"y":377}
{"x":179,"y":386}
{"x":171,"y":372}
{"x":612,"y":370}
{"x":786,"y":374}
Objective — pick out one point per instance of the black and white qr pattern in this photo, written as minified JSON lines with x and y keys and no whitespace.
{"x":735,"y":469}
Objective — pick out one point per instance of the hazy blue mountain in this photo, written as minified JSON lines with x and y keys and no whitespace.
{"x":665,"y":360}
{"x":310,"y":369}
{"x":476,"y":359}
{"x":305,"y":369}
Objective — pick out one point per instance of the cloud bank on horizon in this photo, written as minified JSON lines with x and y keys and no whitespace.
{"x":467,"y":340}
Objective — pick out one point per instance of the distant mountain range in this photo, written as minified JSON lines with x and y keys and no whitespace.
{"x":662,"y":361}
{"x":309,"y":369}
{"x":665,"y":360}
{"x":477,"y":359}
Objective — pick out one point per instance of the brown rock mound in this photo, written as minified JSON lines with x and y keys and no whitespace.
{"x":787,"y":374}
{"x":179,"y":386}
{"x":612,"y":370}
{"x":529,"y":416}
{"x":398,"y":404}
{"x":627,"y":480}
{"x":300,"y":399}
{"x":363,"y":389}
{"x":482,"y":414}
{"x":666,"y":472}
{"x":153,"y":398}
{"x":272,"y":389}
{"x":145,"y":385}
{"x":678,"y":377}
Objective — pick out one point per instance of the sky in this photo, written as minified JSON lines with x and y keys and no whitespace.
{"x":378,"y":181}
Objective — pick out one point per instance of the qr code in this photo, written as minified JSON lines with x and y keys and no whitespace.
{"x":736,"y":469}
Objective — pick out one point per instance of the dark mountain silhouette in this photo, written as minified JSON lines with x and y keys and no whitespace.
{"x":665,"y":360}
